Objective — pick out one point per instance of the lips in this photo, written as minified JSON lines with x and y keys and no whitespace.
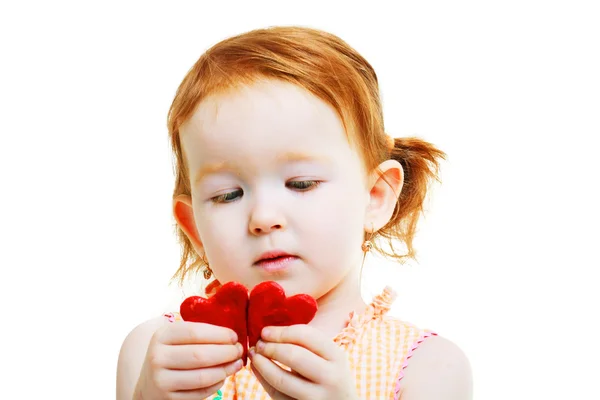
{"x":274,"y":255}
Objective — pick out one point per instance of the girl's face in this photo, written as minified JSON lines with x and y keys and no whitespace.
{"x":272,"y":171}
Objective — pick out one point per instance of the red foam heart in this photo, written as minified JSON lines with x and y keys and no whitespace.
{"x":227,"y":307}
{"x":269,"y":306}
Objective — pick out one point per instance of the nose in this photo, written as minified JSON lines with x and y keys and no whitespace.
{"x":266,"y":219}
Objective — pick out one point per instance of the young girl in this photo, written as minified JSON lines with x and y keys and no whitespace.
{"x":285,"y":173}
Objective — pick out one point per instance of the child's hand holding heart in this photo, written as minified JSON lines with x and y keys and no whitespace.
{"x":319,"y":368}
{"x":231,"y":307}
{"x":275,"y":326}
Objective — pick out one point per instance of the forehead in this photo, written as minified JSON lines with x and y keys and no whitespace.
{"x":263,"y":99}
{"x":262,"y":120}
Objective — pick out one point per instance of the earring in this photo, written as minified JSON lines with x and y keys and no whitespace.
{"x":367,"y":244}
{"x":207,"y":270}
{"x":366,"y":247}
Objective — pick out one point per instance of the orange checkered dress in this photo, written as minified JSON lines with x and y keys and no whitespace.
{"x":378,"y":348}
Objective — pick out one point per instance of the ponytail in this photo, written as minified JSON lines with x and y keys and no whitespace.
{"x":420,"y":161}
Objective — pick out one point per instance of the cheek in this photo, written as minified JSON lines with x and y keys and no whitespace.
{"x":345,"y":206}
{"x":221,"y":234}
{"x":336,"y":223}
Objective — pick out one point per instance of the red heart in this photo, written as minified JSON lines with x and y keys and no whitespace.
{"x":267,"y":306}
{"x":227,"y":307}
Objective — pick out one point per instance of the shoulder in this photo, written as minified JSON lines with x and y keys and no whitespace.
{"x":441,"y":361}
{"x":132,"y":355}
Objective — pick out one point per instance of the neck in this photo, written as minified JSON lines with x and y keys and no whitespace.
{"x":336,"y":306}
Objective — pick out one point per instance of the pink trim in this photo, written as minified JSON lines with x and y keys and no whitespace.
{"x":410,"y":353}
{"x":170,"y":317}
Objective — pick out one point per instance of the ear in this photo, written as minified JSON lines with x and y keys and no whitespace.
{"x":386,"y":184}
{"x":184,"y":215}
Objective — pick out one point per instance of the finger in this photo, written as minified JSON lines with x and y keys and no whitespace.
{"x":274,"y":394}
{"x":299,"y":359}
{"x":305,"y":336}
{"x":196,"y":394}
{"x":281,"y":380}
{"x":195,"y":379}
{"x":193,"y":356}
{"x":183,"y":332}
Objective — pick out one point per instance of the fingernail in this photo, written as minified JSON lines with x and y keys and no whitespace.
{"x":238,"y":365}
{"x":252,"y":352}
{"x":260,"y":345}
{"x":240,"y":348}
{"x":266,"y":333}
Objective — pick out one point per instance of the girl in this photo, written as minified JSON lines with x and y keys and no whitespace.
{"x":285,"y":173}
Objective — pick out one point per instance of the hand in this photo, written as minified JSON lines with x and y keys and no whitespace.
{"x":320,"y":369}
{"x":188,"y":360}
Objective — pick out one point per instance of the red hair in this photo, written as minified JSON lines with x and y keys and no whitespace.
{"x":333,"y":71}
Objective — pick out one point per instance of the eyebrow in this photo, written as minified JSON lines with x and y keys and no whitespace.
{"x":288,"y":157}
{"x":294,"y":156}
{"x":213,"y":169}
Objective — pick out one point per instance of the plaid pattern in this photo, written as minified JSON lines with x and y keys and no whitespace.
{"x":378,"y":348}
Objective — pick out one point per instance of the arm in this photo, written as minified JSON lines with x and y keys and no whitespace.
{"x":132,"y":355}
{"x":437,"y":370}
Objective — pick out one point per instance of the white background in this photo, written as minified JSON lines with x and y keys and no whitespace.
{"x":507,"y":250}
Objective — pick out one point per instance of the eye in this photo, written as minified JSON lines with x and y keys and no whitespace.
{"x":228,"y":197}
{"x":303,"y":185}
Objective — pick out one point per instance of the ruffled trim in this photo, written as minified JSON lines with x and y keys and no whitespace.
{"x":380,"y":305}
{"x":410,"y":354}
